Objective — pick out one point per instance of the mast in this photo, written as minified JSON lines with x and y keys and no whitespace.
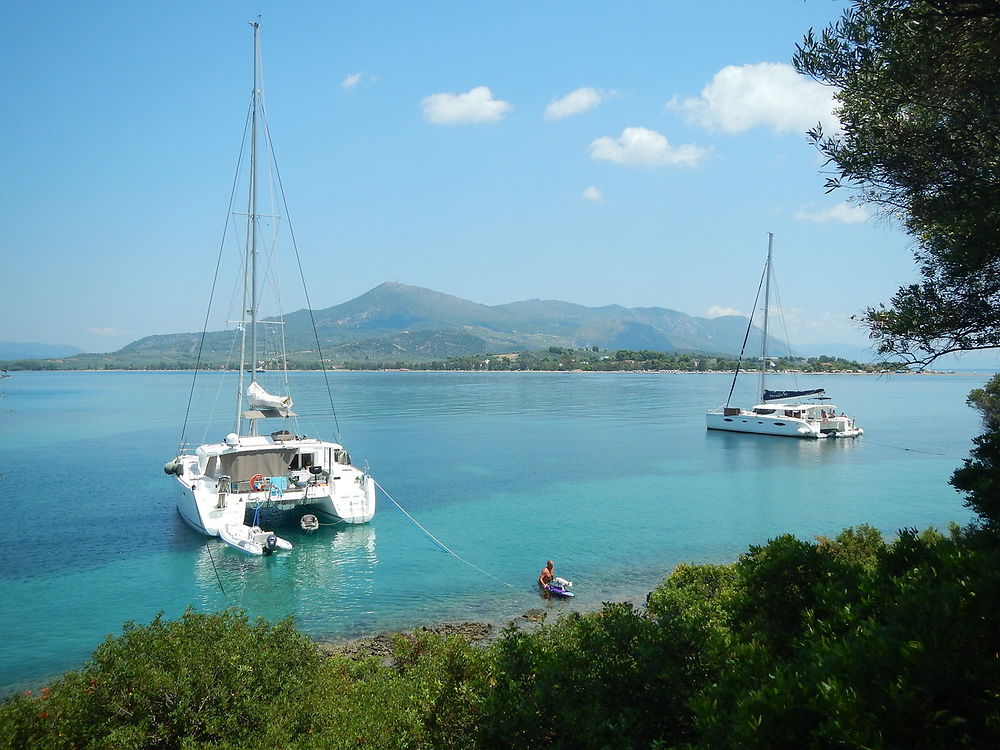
{"x":253,"y":202}
{"x":250,"y":300}
{"x":767,"y":306}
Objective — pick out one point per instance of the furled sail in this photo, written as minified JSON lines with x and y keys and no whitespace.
{"x":258,"y":398}
{"x":782,"y":395}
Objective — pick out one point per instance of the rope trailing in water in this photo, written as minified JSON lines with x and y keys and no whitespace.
{"x":912,"y":450}
{"x":437,"y":541}
{"x":217,"y":577}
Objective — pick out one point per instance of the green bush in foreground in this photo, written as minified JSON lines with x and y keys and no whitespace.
{"x":848,"y":642}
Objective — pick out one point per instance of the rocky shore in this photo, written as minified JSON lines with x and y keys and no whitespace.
{"x":477,"y":633}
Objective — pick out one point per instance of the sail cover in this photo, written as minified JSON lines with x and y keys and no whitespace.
{"x":259,"y":398}
{"x":782,"y":395}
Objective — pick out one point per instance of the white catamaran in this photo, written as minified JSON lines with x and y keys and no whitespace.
{"x":780,"y":412}
{"x":251,"y":468}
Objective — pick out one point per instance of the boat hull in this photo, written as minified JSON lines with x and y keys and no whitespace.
{"x":209,"y":498}
{"x":781,"y":426}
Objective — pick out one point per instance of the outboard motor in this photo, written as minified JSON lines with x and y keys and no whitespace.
{"x":270,"y":544}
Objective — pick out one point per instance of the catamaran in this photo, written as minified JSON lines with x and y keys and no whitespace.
{"x":780,"y":412}
{"x":254,"y":468}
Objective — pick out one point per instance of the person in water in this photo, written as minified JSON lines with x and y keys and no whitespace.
{"x":547,"y":574}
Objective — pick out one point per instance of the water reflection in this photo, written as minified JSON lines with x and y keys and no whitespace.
{"x":325,"y":566}
{"x":756,"y":451}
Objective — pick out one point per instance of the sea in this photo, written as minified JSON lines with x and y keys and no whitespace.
{"x":483,"y":476}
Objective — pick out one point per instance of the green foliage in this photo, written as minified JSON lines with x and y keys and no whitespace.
{"x":919,"y":106}
{"x":899,"y":650}
{"x":779,"y":584}
{"x":702,"y":593}
{"x":555,"y":358}
{"x":979,"y":476}
{"x":601,"y":360}
{"x":201,"y":678}
{"x":860,"y":545}
{"x":848,"y":642}
{"x":611,"y":679}
{"x":220,"y":681}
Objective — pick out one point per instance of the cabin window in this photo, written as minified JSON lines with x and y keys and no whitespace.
{"x":779,"y":424}
{"x":301,"y":461}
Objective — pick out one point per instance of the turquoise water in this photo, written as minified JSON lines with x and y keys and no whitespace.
{"x":611,"y":475}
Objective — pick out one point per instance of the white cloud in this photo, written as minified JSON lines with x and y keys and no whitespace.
{"x":593,"y":194}
{"x":106,"y":331}
{"x":476,"y":106}
{"x":574,"y":103}
{"x":717,"y":311}
{"x":843,"y":212}
{"x":641,"y":147}
{"x":741,"y":97}
{"x":351,"y":81}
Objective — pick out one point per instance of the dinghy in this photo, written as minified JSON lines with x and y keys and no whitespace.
{"x":560,"y":591}
{"x":252,"y":540}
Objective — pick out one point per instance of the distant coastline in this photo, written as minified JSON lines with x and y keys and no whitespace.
{"x":339,"y":370}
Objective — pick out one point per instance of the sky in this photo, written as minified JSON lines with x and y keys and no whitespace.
{"x":630,"y":153}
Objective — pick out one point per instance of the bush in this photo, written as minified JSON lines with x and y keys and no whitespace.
{"x":611,"y":679}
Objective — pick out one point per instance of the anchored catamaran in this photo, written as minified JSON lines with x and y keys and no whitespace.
{"x":253,"y":468}
{"x":780,"y":412}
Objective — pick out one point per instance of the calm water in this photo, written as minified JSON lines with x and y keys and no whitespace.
{"x":611,"y":475}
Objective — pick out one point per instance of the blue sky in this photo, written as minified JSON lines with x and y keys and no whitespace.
{"x":632,"y":153}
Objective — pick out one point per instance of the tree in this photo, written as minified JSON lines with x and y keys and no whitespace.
{"x":979,"y":476}
{"x":919,"y":105}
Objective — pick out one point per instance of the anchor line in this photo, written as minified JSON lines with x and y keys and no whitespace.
{"x":437,"y":541}
{"x":217,"y":577}
{"x":911,"y":450}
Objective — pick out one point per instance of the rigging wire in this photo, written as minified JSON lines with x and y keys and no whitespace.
{"x":784,"y":326}
{"x":746,"y":336}
{"x":215,"y":277}
{"x":302,"y":276}
{"x":437,"y":541}
{"x":273,"y":165}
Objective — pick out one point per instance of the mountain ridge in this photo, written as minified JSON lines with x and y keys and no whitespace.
{"x":398,"y":322}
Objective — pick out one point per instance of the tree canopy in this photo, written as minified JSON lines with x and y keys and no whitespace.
{"x":920,"y":139}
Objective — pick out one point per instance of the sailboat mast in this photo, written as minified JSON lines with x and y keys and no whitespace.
{"x":250,"y":300}
{"x":253,"y":203}
{"x":767,"y":308}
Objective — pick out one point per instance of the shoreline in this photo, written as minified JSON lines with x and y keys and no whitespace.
{"x":479,"y":633}
{"x":334,"y":371}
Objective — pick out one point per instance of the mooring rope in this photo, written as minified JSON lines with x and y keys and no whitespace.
{"x":912,"y":450}
{"x":437,"y":541}
{"x":217,"y":576}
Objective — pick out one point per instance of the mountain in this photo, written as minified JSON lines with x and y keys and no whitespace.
{"x":34,"y":350}
{"x":398,"y":320}
{"x":397,"y":323}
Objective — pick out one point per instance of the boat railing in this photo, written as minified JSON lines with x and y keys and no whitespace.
{"x":295,"y":485}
